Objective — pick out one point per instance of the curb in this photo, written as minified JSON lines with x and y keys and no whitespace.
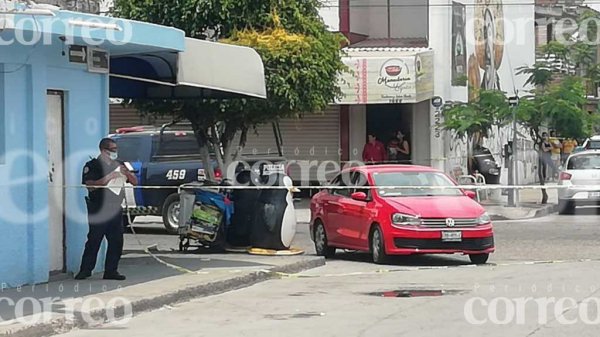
{"x":538,"y":213}
{"x":62,"y":325}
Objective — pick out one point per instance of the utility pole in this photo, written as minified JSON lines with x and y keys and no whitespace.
{"x":512,"y":170}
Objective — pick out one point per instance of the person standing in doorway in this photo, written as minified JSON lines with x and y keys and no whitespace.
{"x":400,"y":149}
{"x":105,"y":214}
{"x":374,"y":151}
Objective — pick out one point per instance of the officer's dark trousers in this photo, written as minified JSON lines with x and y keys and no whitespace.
{"x":107,"y":224}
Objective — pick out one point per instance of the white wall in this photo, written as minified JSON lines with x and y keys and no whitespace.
{"x":440,"y":28}
{"x":358,"y":130}
{"x":420,"y":133}
{"x":330,"y":13}
{"x":518,"y":50}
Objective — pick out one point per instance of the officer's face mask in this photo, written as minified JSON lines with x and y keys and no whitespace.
{"x":113,"y":155}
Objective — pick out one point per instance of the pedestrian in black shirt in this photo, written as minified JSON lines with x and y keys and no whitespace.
{"x":105,"y":214}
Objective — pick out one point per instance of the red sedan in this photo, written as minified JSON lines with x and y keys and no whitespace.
{"x":414,"y":219}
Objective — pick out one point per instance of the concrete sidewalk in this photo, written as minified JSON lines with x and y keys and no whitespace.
{"x":528,"y":204}
{"x":62,"y":305}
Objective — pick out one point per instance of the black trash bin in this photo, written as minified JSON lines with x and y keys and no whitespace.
{"x":269,"y":230}
{"x":246,"y":204}
{"x":486,"y":165}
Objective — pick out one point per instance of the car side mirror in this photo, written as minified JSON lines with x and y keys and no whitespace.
{"x":471,"y":194}
{"x":359,"y":196}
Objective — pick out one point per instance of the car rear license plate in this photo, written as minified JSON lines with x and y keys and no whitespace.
{"x":452,"y":236}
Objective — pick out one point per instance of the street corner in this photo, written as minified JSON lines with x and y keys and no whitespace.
{"x":522,"y":212}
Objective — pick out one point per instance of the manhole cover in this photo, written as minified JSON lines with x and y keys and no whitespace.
{"x":415,"y":293}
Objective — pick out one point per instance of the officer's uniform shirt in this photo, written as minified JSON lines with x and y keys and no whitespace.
{"x":102,"y":198}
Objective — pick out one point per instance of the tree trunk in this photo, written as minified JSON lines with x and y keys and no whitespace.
{"x":202,"y":139}
{"x":217,"y":145}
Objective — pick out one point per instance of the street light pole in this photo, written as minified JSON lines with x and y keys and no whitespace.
{"x":512,"y":170}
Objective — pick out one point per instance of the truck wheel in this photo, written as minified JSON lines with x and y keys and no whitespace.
{"x":170,"y":213}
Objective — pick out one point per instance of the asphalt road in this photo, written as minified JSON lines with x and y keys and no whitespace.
{"x":511,"y":296}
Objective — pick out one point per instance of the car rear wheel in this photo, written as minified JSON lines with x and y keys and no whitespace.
{"x":565,"y":207}
{"x":378,"y":247}
{"x":479,"y":258}
{"x":321,"y":245}
{"x":170,"y":213}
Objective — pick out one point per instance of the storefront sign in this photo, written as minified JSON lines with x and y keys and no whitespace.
{"x":388,"y":79}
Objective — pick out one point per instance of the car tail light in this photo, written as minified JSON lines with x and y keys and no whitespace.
{"x":218,"y":173}
{"x":565,"y":176}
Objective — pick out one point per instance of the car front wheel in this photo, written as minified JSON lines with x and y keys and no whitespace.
{"x":378,"y":247}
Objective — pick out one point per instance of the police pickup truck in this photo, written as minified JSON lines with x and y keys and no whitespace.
{"x":169,"y":157}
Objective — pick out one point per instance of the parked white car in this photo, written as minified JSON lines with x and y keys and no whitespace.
{"x":592,"y":143}
{"x":581,"y":177}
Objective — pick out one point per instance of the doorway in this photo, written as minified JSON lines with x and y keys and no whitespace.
{"x":384,"y":120}
{"x":56,"y":194}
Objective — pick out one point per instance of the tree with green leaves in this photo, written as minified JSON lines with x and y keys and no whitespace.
{"x":561,"y":82}
{"x":301,"y":57}
{"x":559,"y":106}
{"x":474,"y":121}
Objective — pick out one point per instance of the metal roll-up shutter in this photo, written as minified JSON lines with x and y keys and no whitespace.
{"x":121,"y":117}
{"x":309,"y":142}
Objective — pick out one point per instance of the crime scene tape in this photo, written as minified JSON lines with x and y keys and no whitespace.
{"x":332,"y":187}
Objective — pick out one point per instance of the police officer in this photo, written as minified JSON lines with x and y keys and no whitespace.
{"x":105,"y":215}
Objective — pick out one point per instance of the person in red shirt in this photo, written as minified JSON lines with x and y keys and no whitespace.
{"x":374,"y":151}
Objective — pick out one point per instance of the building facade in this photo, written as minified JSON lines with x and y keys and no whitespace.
{"x":54,"y":90}
{"x":444,"y":50}
{"x":459,"y":47}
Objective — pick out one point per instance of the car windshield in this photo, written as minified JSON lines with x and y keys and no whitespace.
{"x":584,"y":162}
{"x":420,"y":180}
